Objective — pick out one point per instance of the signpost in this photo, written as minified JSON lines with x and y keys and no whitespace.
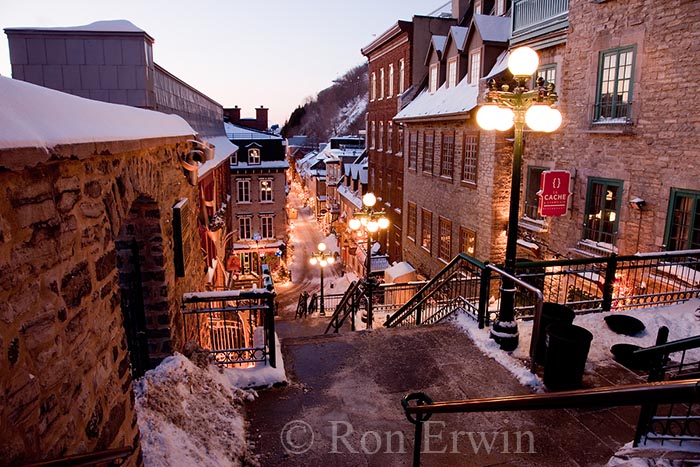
{"x":555,"y":190}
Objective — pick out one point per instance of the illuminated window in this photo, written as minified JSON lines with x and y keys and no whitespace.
{"x":445,"y":233}
{"x":266,"y":190}
{"x":467,"y":241}
{"x":602,"y":210}
{"x":426,"y":229}
{"x":532,"y":201}
{"x":683,"y":221}
{"x":254,"y":156}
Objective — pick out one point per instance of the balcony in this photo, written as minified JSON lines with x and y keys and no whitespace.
{"x":541,"y":21}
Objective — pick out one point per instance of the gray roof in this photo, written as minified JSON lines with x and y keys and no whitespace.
{"x":493,"y":28}
{"x":459,"y":36}
{"x":439,"y":43}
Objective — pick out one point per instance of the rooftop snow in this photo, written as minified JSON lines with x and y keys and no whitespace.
{"x":36,"y":117}
{"x":241,"y":132}
{"x":493,"y":28}
{"x":261,"y":165}
{"x":223,"y":148}
{"x":459,"y":36}
{"x":117,"y":25}
{"x":445,"y":101}
{"x":439,"y":43}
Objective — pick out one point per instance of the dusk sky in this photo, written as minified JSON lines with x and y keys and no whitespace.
{"x":248,"y":53}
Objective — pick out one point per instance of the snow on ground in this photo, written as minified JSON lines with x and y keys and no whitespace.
{"x":191,"y":413}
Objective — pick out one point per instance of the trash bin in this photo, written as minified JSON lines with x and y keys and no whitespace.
{"x":551,"y":313}
{"x":567,"y":352}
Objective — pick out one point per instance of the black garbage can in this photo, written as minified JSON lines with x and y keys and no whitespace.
{"x":551,"y":313}
{"x":567,"y":351}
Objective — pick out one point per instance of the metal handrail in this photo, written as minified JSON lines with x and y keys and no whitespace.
{"x":669,"y":347}
{"x":90,"y":458}
{"x":611,"y":396}
{"x":343,"y":308}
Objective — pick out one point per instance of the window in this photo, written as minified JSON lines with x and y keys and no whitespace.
{"x":391,"y":81}
{"x":400,"y":151}
{"x":243,"y":191}
{"x":267,"y":227}
{"x":467,"y":241}
{"x":266,"y":190}
{"x":614,"y":94}
{"x":233,"y":160}
{"x":683,"y":221}
{"x":452,"y":72}
{"x":428,"y":152}
{"x":471,"y":151}
{"x":532,"y":201}
{"x":445,"y":232}
{"x":373,"y":94}
{"x":412,"y":150}
{"x":401,"y":77}
{"x":372,"y":136}
{"x":399,"y":189}
{"x":477,"y":7}
{"x":244,"y":232}
{"x":426,"y":229}
{"x":602,"y":210}
{"x":254,"y":156}
{"x":388,"y":189}
{"x":381,"y":83}
{"x":381,"y":136}
{"x":433,"y":83}
{"x":411,"y":229}
{"x":474,"y":66}
{"x":389,"y":137}
{"x":448,"y":154}
{"x":548,"y":72}
{"x":500,"y":7}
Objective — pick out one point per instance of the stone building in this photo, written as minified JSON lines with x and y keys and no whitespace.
{"x":258,"y":204}
{"x":96,"y":250}
{"x":396,"y":71}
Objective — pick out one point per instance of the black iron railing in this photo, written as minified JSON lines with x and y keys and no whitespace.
{"x":418,"y":407}
{"x":235,"y":326}
{"x":347,"y":306}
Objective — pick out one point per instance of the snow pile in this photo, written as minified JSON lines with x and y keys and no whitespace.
{"x":652,"y":454}
{"x":260,"y":374}
{"x":190,"y":415}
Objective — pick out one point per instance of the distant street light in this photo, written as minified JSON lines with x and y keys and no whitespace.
{"x":323,"y":259}
{"x":504,"y":110}
{"x":372,"y":221}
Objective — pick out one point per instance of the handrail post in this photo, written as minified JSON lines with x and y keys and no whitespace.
{"x":419,"y":312}
{"x":484,"y":287}
{"x":609,"y":286}
{"x":270,"y":325}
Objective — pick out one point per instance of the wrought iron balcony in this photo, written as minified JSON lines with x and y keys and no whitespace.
{"x":534,"y":18}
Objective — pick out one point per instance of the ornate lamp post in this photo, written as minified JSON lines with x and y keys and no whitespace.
{"x":372,"y":221}
{"x":323,"y":259}
{"x":505,"y":109}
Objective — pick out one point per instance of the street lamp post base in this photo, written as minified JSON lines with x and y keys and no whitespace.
{"x":505,"y":333}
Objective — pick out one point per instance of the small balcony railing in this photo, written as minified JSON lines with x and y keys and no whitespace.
{"x":531,"y":15}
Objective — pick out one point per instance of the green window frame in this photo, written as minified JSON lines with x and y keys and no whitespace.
{"x":683,"y":220}
{"x":603,"y":201}
{"x":532,"y":201}
{"x":548,"y":72}
{"x":615,"y":85}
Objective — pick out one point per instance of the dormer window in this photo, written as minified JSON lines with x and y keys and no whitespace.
{"x":433,"y":83}
{"x":500,"y":7}
{"x":233,"y":159}
{"x":452,"y":72}
{"x":474,"y":66}
{"x":253,"y":156}
{"x":477,"y":7}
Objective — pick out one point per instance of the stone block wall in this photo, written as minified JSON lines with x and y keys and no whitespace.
{"x":65,"y":378}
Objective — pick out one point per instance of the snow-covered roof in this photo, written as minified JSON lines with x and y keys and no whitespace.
{"x":241,"y":132}
{"x":261,"y":165}
{"x":445,"y":101}
{"x":116,"y":25}
{"x":500,"y":66}
{"x":32,"y":116}
{"x":439,"y":43}
{"x":351,"y":196}
{"x":493,"y":28}
{"x":459,"y":36}
{"x":223,"y":148}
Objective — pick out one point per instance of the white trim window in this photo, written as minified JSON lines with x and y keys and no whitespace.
{"x":243,"y":190}
{"x":373,"y":136}
{"x":433,"y":83}
{"x":474,"y":66}
{"x":381,"y":84}
{"x":390,"y":92}
{"x":266,"y":190}
{"x":244,"y":228}
{"x":267,"y":226}
{"x":381,"y":136}
{"x":401,"y":76}
{"x":390,"y":137}
{"x":452,"y":72}
{"x":254,"y":156}
{"x":373,"y":94}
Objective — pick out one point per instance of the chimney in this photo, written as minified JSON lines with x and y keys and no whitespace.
{"x":459,"y":9}
{"x":261,"y":118}
{"x":233,"y":115}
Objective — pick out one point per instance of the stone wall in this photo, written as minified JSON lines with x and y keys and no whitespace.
{"x":65,"y":378}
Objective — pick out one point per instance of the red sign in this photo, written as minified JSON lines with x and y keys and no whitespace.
{"x":554,"y":193}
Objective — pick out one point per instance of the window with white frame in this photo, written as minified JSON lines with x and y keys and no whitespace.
{"x":474,"y":66}
{"x":233,"y":159}
{"x":253,"y":156}
{"x":548,"y":72}
{"x":390,"y":137}
{"x":452,"y":72}
{"x":266,"y":190}
{"x":372,"y":135}
{"x":244,"y":228}
{"x":267,"y":226}
{"x":381,"y":83}
{"x":477,"y":7}
{"x":390,"y":92}
{"x":401,"y":76}
{"x":500,"y":7}
{"x":373,"y":95}
{"x":243,"y":190}
{"x":381,"y":136}
{"x":433,"y":82}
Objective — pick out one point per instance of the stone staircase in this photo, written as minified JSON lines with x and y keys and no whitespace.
{"x":346,"y":389}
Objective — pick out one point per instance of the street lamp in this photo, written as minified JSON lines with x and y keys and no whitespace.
{"x":505,"y":109}
{"x":372,"y":221}
{"x":323,"y":259}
